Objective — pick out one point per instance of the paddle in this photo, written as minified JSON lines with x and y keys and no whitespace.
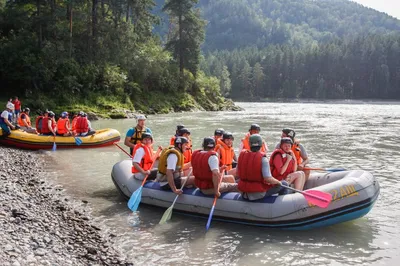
{"x":78,"y":141}
{"x":213,"y":206}
{"x":325,"y":169}
{"x":136,"y":196}
{"x":315,"y":197}
{"x":54,"y":144}
{"x":168,"y":213}
{"x":116,"y":144}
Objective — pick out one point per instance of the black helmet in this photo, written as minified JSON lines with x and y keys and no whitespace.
{"x":208,"y":142}
{"x":51,"y":114}
{"x":183,"y":131}
{"x":219,"y":132}
{"x":180,"y":140}
{"x":179,"y":127}
{"x":228,"y":135}
{"x":289,"y":132}
{"x":26,"y":109}
{"x":255,"y":127}
{"x":147,"y":135}
{"x":255,"y":142}
{"x":286,"y":140}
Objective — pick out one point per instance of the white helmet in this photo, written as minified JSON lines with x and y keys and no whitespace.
{"x":140,"y":117}
{"x":10,"y":106}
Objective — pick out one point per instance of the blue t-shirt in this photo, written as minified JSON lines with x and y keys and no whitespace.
{"x":132,"y":130}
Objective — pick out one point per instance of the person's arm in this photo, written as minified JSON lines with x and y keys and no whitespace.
{"x":128,"y":138}
{"x":266,"y":172}
{"x":8,"y":122}
{"x":23,"y":118}
{"x":137,"y":158}
{"x":304,"y":156}
{"x":172,"y":161}
{"x":213,"y":163}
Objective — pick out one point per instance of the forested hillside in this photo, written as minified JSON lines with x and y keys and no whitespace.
{"x":301,"y":49}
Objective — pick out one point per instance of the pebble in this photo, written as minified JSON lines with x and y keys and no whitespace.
{"x":40,"y":252}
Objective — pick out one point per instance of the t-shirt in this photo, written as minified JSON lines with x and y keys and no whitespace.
{"x":17,"y":104}
{"x":172,"y":160}
{"x":303,"y":152}
{"x":132,"y":130}
{"x":4,"y":114}
{"x":139,"y":154}
{"x":213,"y":163}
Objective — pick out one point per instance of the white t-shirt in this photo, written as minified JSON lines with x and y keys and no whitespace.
{"x":213,"y":163}
{"x":139,"y":154}
{"x":4,"y":114}
{"x":172,"y":160}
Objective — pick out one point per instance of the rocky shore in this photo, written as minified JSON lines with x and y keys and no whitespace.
{"x":41,"y":225}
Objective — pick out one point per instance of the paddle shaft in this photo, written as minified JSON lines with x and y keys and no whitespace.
{"x":116,"y":144}
{"x":325,"y":169}
{"x":214,"y":203}
{"x":184,"y":183}
{"x":305,"y":193}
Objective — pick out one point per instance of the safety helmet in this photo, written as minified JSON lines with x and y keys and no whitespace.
{"x":208,"y":142}
{"x":64,"y":114}
{"x":180,"y":140}
{"x":140,"y":117}
{"x":255,"y":127}
{"x":228,"y":135}
{"x":147,"y":135}
{"x":51,"y":114}
{"x":27,"y":110}
{"x":179,"y":127}
{"x":255,"y":141}
{"x":10,"y":106}
{"x":81,"y":113}
{"x":84,"y":115}
{"x":289,"y":132}
{"x":219,"y":132}
{"x":183,"y":131}
{"x":286,"y":140}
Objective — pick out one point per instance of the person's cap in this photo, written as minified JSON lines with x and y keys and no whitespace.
{"x":140,"y":117}
{"x":219,"y":132}
{"x":255,"y":127}
{"x":208,"y":142}
{"x":289,"y":132}
{"x":180,"y":140}
{"x":183,"y":131}
{"x":180,"y":126}
{"x":286,"y":140}
{"x":64,"y":114}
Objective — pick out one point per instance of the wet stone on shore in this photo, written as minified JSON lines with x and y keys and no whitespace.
{"x":41,"y":225}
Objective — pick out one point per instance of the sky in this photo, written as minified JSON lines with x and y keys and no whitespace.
{"x":391,"y":7}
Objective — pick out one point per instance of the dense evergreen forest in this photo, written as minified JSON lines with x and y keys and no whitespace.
{"x":102,"y":55}
{"x":165,"y":55}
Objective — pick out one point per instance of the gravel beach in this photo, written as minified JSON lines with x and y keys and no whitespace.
{"x":41,"y":225}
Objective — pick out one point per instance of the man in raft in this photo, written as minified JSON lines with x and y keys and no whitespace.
{"x":5,"y":120}
{"x":207,"y":172}
{"x":253,"y":170}
{"x":284,"y":165}
{"x":171,"y":167}
{"x":24,"y":121}
{"x":142,"y":160}
{"x":134,"y":134}
{"x":298,"y":150}
{"x":244,"y":144}
{"x":226,"y":153}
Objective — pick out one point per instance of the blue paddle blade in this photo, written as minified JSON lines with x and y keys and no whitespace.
{"x":78,"y":141}
{"x":54,"y":147}
{"x":135,"y":199}
{"x":210,"y":217}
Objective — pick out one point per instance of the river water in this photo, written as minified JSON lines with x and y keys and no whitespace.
{"x":352,"y":135}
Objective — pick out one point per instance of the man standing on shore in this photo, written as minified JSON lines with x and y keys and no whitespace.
{"x":5,"y":120}
{"x":17,"y":108}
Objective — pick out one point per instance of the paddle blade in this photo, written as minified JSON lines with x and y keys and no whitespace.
{"x":135,"y":199}
{"x":167,"y":215}
{"x":54,"y":147}
{"x":210,"y":217}
{"x":318,"y":198}
{"x":78,"y":141}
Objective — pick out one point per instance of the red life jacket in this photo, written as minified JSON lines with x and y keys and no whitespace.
{"x":74,"y":123}
{"x":201,"y":170}
{"x":147,"y":160}
{"x":62,"y":125}
{"x":275,"y":171}
{"x":45,"y":125}
{"x":82,"y":125}
{"x":39,"y":123}
{"x":250,"y":172}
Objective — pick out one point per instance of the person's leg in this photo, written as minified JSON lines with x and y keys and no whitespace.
{"x":6,"y":130}
{"x":298,"y":179}
{"x":228,"y":187}
{"x":228,"y":179}
{"x":232,"y":172}
{"x":273,"y":190}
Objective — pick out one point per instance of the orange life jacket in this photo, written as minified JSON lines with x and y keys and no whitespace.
{"x":275,"y":171}
{"x":226,"y":155}
{"x":250,"y":172}
{"x":147,"y":160}
{"x":172,"y":141}
{"x":82,"y":125}
{"x":201,"y":170}
{"x":62,"y":125}
{"x":21,"y":122}
{"x":73,"y":124}
{"x":246,"y":144}
{"x":297,"y":152}
{"x":188,"y":153}
{"x":45,"y":125}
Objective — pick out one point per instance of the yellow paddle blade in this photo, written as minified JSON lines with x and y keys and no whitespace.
{"x":166,"y":216}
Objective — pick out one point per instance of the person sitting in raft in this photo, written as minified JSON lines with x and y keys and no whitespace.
{"x":171,"y":167}
{"x":73,"y":123}
{"x":39,"y":121}
{"x":63,"y":125}
{"x":284,"y":165}
{"x":172,"y":140}
{"x":134,"y":134}
{"x":298,"y":150}
{"x":5,"y":120}
{"x":226,"y":153}
{"x":244,"y":144}
{"x":184,"y":132}
{"x":218,"y":133}
{"x":207,"y":173}
{"x":83,"y":126}
{"x":24,"y":121}
{"x":49,"y":125}
{"x":255,"y":179}
{"x":142,"y":159}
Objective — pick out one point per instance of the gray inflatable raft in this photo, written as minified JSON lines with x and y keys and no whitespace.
{"x":353,"y":195}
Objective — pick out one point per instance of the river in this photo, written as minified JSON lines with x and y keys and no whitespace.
{"x":354,"y":135}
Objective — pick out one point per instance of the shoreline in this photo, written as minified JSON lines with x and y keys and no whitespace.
{"x":40,"y":224}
